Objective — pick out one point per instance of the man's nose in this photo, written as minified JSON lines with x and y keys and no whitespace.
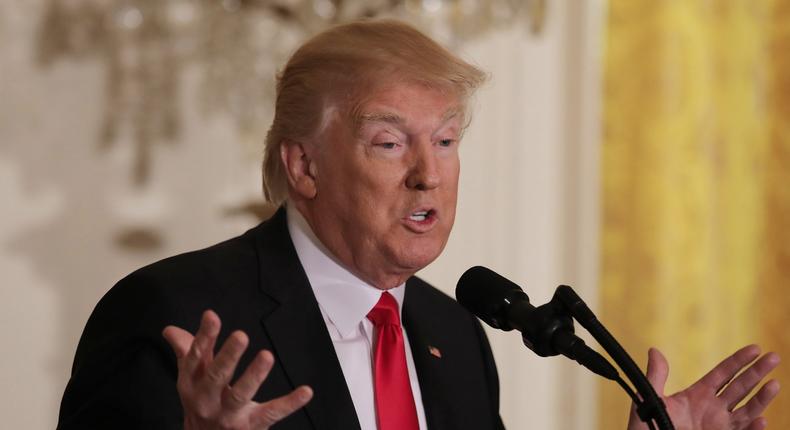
{"x":424,"y":174}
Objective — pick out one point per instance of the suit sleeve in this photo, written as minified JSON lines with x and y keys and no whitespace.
{"x":124,"y":372}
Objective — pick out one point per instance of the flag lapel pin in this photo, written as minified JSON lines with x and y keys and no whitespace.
{"x":435,"y":351}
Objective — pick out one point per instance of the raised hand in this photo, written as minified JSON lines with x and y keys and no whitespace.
{"x":208,"y":399}
{"x":710,"y":403}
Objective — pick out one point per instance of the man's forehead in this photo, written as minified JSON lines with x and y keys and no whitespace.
{"x":404,"y":104}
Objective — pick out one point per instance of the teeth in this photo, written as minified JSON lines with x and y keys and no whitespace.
{"x":419,"y":216}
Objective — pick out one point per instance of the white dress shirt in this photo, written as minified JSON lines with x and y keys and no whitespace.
{"x":345,"y":301}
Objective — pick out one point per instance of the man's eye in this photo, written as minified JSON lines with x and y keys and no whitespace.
{"x":446,"y":142}
{"x":387,"y":145}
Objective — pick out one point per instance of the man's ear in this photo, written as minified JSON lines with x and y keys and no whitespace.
{"x":299,"y":168}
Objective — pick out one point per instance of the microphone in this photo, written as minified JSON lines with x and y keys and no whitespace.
{"x":547,"y":330}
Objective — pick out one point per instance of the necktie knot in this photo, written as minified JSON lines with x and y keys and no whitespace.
{"x":385,"y":312}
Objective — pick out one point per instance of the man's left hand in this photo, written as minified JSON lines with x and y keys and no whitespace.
{"x":710,"y":403}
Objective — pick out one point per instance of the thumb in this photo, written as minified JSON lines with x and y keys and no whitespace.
{"x":179,"y":339}
{"x":657,"y":370}
{"x":657,"y":373}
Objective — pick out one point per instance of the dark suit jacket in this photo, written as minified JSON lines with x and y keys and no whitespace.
{"x":124,"y":372}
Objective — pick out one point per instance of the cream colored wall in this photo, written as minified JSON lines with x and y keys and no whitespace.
{"x":527,"y":204}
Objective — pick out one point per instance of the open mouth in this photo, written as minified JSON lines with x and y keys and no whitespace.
{"x":422,"y":215}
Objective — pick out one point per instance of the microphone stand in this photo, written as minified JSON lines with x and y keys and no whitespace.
{"x":651,"y":407}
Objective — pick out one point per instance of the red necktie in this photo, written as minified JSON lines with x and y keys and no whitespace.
{"x":395,"y":408}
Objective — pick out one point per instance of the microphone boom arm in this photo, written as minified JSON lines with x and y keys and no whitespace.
{"x":548,"y":330}
{"x":652,"y":407}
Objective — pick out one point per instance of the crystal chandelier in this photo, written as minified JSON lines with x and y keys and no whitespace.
{"x":236,"y":46}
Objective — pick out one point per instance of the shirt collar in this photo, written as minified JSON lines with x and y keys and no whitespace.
{"x":344,"y":297}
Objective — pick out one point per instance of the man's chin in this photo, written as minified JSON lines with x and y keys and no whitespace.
{"x":414,"y":260}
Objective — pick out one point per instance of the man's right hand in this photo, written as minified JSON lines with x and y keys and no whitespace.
{"x":208,"y":399}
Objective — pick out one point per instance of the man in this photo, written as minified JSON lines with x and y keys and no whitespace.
{"x":324,"y":325}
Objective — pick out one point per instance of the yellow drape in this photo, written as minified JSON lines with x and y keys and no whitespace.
{"x":696,"y":186}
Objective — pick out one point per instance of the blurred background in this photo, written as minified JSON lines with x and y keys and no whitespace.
{"x":637,"y":150}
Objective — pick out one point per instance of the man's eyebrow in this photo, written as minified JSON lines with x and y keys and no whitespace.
{"x":396,"y":119}
{"x":452,"y":112}
{"x":381,"y":116}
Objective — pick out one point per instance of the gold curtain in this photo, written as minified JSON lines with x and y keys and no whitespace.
{"x":696,"y":186}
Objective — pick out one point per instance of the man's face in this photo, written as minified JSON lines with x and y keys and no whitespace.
{"x":387,"y":187}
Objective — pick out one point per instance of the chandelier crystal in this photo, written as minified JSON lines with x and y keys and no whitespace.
{"x":236,"y":46}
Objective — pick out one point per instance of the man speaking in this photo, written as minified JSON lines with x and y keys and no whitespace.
{"x":314,"y":319}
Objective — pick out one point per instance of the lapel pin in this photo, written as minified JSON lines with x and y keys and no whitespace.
{"x":435,"y":351}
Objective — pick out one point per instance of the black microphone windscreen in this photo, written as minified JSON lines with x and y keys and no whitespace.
{"x":485,"y":292}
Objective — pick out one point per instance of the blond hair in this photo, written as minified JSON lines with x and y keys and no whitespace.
{"x":338,"y":66}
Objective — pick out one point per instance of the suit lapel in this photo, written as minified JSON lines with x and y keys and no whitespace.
{"x":299,"y":337}
{"x":424,"y":349}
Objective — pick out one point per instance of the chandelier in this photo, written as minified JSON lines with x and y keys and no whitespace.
{"x":235,"y":47}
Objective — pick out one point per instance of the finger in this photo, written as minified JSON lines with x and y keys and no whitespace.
{"x":203,"y":345}
{"x":245,"y":388}
{"x":221,"y":369}
{"x":757,"y":404}
{"x":269,"y":413}
{"x":179,"y":339}
{"x":657,"y":370}
{"x":744,"y":383}
{"x":758,"y":424}
{"x":723,"y":373}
